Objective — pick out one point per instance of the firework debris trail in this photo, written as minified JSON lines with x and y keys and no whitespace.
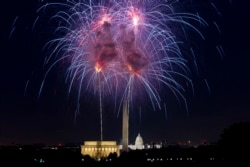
{"x":122,"y":49}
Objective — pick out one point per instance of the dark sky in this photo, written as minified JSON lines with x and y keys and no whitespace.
{"x":50,"y":119}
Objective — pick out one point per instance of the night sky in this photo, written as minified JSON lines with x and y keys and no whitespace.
{"x":50,"y":118}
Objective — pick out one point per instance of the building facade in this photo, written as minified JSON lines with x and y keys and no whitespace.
{"x":100,"y":149}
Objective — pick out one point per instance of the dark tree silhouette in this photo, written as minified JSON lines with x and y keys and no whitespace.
{"x":235,"y":142}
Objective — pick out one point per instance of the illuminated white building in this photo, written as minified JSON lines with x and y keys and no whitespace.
{"x":99,"y":149}
{"x":138,"y":144}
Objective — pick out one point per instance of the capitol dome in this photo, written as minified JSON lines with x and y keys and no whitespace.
{"x":139,"y":142}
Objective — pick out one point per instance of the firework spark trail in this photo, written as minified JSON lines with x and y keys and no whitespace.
{"x":122,"y":48}
{"x":13,"y":27}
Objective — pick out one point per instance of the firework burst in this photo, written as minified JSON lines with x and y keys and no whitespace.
{"x":122,"y":49}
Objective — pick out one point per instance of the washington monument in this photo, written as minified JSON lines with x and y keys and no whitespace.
{"x":125,"y":124}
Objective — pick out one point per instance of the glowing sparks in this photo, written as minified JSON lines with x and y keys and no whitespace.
{"x":98,"y":67}
{"x":135,"y":16}
{"x":129,"y":44}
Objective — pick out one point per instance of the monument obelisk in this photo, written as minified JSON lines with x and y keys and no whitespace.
{"x":125,"y":125}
